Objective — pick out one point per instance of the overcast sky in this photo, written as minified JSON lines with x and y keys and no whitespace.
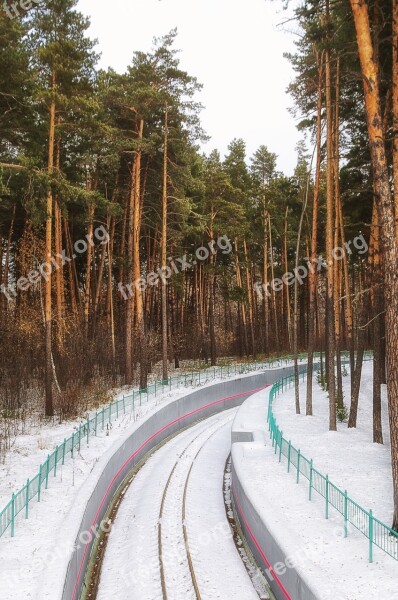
{"x":235,"y":49}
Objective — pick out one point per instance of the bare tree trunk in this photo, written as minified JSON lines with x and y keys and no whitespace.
{"x":4,"y":279}
{"x":49,"y":410}
{"x":287,"y":288}
{"x":250,"y":300}
{"x":265,"y":283}
{"x":241,"y":306}
{"x":330,"y":333}
{"x":165,"y":358}
{"x":395,"y":105}
{"x":110,"y":292}
{"x":59,"y":273}
{"x":142,"y":342}
{"x":387,"y":221}
{"x":89,"y":254}
{"x":377,"y":303}
{"x":314,"y":244}
{"x":273,"y":293}
{"x":73,"y":289}
{"x":296,"y":298}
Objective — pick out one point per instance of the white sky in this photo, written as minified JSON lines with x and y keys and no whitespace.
{"x":233,"y":47}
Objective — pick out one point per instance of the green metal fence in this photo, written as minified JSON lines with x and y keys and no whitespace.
{"x":375,"y":531}
{"x":34,"y":487}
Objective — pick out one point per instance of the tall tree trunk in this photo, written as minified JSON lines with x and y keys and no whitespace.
{"x":111,"y":318}
{"x":73,"y":289}
{"x":4,"y":279}
{"x":49,"y":409}
{"x":59,"y":273}
{"x":395,"y":105}
{"x":287,"y":288}
{"x":241,"y":305}
{"x":377,"y":304}
{"x":387,"y":221}
{"x":141,"y":334}
{"x":330,"y":332}
{"x":89,"y":254}
{"x":296,"y":299}
{"x":314,"y":244}
{"x":250,"y":300}
{"x":265,"y":283}
{"x":165,"y":357}
{"x":273,"y":293}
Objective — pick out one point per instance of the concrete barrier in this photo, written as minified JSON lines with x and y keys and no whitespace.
{"x":168,"y":420}
{"x":285,"y":583}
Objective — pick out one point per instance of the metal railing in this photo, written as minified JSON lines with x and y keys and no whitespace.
{"x":373,"y":529}
{"x":33,"y":489}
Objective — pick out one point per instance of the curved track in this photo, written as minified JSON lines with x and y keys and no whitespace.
{"x":171,"y":539}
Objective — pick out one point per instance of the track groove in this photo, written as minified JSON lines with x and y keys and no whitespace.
{"x":184,"y":527}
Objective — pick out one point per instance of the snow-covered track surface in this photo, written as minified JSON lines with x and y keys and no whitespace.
{"x":171,"y":538}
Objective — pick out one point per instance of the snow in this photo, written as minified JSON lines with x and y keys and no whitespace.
{"x":350,"y":458}
{"x":132,"y":549}
{"x":35,"y":561}
{"x":336,"y":568}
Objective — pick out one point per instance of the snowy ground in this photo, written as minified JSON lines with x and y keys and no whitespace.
{"x":349,"y":456}
{"x":337,"y":568}
{"x":31,"y":449}
{"x":33,"y":560}
{"x":133,"y":546}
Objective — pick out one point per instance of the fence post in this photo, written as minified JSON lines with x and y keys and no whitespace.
{"x":39,"y":486}
{"x":110,"y":412}
{"x":345,"y":514}
{"x":13,"y":515}
{"x":117,"y":409}
{"x":27,"y":499}
{"x":63,"y":451}
{"x":47,"y":470}
{"x":276,"y":436}
{"x":370,"y":536}
{"x":327,"y":498}
{"x":311,"y":476}
{"x":124,"y":405}
{"x":80,"y":436}
{"x":88,"y":430}
{"x":288,"y":456}
{"x":55,"y":461}
{"x":298,"y":465}
{"x":73,"y":444}
{"x":280,"y":449}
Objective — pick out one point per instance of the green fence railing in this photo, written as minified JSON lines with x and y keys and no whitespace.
{"x":20,"y":501}
{"x":373,"y":529}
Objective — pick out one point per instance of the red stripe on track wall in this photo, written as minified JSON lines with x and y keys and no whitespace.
{"x":132,"y":456}
{"x":257,"y":544}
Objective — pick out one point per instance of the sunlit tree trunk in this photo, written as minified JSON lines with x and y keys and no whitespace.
{"x":314,"y":243}
{"x":387,"y":221}
{"x":49,"y":218}
{"x":330,"y":329}
{"x":165,"y":357}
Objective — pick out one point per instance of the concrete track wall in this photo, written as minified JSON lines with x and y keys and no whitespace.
{"x":167,"y":421}
{"x":285,"y":583}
